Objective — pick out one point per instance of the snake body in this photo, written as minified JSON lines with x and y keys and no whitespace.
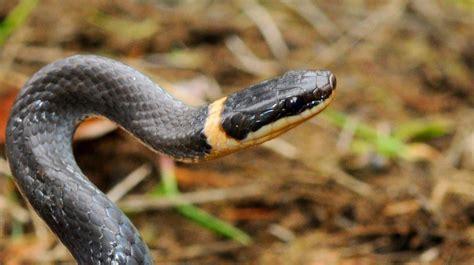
{"x":59,"y":96}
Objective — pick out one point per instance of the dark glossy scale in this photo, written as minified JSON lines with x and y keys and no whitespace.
{"x":39,"y":134}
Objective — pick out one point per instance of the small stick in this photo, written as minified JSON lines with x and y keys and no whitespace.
{"x":377,"y":20}
{"x":318,"y":20}
{"x":139,"y":174}
{"x":248,"y":60}
{"x":144,"y":202}
{"x":346,"y":180}
{"x":267,"y":26}
{"x":282,"y":148}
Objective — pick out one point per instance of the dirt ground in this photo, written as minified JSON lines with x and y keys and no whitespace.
{"x":384,"y":176}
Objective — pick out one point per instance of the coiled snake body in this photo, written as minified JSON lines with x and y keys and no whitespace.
{"x":58,"y":97}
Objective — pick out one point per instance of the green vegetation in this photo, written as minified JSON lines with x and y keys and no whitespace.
{"x":388,"y":145}
{"x":169,"y":188}
{"x":16,"y":18}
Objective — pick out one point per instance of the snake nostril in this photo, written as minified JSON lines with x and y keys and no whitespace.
{"x":333,"y":81}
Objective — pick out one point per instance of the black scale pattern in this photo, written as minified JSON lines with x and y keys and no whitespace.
{"x":39,"y":134}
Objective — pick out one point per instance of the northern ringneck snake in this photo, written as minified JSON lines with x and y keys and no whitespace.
{"x":62,"y":94}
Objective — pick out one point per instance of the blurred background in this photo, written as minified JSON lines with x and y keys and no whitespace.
{"x":384,"y":176}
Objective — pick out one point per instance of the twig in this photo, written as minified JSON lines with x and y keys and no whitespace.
{"x":365,"y":29}
{"x":17,"y":212}
{"x":249,"y":61}
{"x":267,"y":26}
{"x":41,"y":230}
{"x":201,"y":250}
{"x":318,"y":20}
{"x":144,"y":202}
{"x":129,"y":182}
{"x":346,"y":137}
{"x":282,"y":233}
{"x":169,"y":188}
{"x":434,"y":13}
{"x":282,"y":148}
{"x":4,"y":168}
{"x":461,"y":139}
{"x":449,"y":179}
{"x":42,"y":55}
{"x":346,"y":180}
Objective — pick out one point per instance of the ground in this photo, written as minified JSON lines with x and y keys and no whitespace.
{"x":384,"y":176}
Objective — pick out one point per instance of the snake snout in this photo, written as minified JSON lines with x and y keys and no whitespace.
{"x":332,"y":81}
{"x":325,"y":84}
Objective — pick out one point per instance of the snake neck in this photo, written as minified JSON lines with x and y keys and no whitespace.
{"x":85,"y":86}
{"x":39,"y":149}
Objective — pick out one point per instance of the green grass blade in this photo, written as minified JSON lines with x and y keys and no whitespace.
{"x":169,"y":187}
{"x":422,"y":130}
{"x":212,"y":223}
{"x":16,"y":18}
{"x":386,"y":145}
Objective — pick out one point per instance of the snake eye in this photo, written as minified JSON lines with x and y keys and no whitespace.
{"x":294,"y":104}
{"x":236,"y":125}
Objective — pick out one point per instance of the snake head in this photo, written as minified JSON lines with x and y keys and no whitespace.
{"x":271,"y":107}
{"x":267,"y":109}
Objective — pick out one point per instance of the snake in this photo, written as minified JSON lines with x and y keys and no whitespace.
{"x":55,"y":100}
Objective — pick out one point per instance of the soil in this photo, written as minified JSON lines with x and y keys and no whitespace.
{"x":326,"y":193}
